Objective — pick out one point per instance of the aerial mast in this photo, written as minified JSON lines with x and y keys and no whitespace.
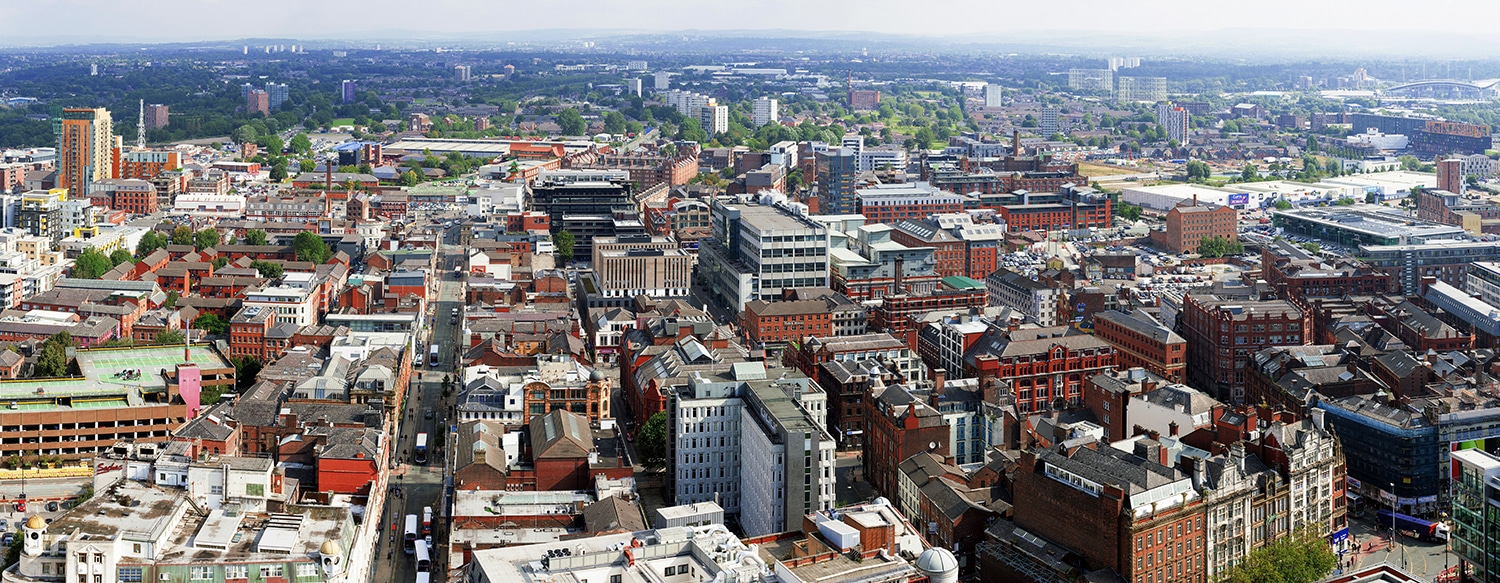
{"x":140,"y":127}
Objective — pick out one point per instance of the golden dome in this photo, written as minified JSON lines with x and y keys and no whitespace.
{"x":36,"y":522}
{"x":329,"y":548}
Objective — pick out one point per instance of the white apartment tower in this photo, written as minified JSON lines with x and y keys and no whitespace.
{"x":1174,"y":120}
{"x":714,"y":119}
{"x":1049,"y":121}
{"x":765,"y":111}
{"x":992,"y":95}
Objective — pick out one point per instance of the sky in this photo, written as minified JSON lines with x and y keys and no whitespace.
{"x":47,"y":22}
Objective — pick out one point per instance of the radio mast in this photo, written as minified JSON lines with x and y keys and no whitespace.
{"x":140,"y":128}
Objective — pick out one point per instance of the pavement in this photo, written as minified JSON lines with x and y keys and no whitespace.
{"x":1423,"y":559}
{"x":850,"y":486}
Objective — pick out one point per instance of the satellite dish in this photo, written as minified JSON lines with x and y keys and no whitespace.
{"x":932,"y":445}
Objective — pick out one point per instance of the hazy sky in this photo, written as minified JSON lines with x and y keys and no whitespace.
{"x":75,"y":21}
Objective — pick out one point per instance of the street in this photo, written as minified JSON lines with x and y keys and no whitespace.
{"x":422,"y":485}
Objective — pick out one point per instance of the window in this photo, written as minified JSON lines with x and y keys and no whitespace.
{"x":307,"y":570}
{"x":236,"y":572}
{"x":271,"y":571}
{"x":136,"y":548}
{"x":202,"y":573}
{"x":670,"y":571}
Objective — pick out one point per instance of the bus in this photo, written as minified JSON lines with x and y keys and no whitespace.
{"x":424,"y":561}
{"x":432,"y":356}
{"x":420,"y":452}
{"x":410,"y":543}
{"x":426,"y":520}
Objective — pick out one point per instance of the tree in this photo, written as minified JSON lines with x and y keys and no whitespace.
{"x":255,"y":237}
{"x":53,"y":361}
{"x":301,"y":144}
{"x":1219,"y":247}
{"x":1198,"y":170}
{"x":1344,"y":202}
{"x":1282,"y":204}
{"x":170,"y":337}
{"x":307,"y":165}
{"x":1129,"y":211}
{"x":120,"y":256}
{"x":651,"y":441}
{"x":182,"y":235}
{"x":1250,"y":173}
{"x":211,"y":322}
{"x":268,"y":269}
{"x":410,"y":178}
{"x":564,"y":244}
{"x":171,"y":301}
{"x":205,"y":238}
{"x":571,"y":122}
{"x":90,"y":264}
{"x":310,"y":247}
{"x":1471,"y":180}
{"x":244,"y":134}
{"x":245,"y":370}
{"x":151,"y":241}
{"x":1301,"y":557}
{"x":614,"y":122}
{"x":278,"y":172}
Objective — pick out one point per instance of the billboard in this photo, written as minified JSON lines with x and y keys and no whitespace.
{"x":1239,"y":199}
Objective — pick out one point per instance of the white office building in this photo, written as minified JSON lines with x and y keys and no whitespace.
{"x":758,"y":250}
{"x":765,"y":111}
{"x":661,"y":80}
{"x":753,"y":440}
{"x":877,"y":158}
{"x":290,"y":304}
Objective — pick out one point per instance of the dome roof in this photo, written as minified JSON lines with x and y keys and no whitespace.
{"x":330,"y":548}
{"x":36,"y":522}
{"x":937,"y":560}
{"x":597,"y":375}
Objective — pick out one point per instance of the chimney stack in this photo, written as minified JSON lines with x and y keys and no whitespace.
{"x":1195,"y":199}
{"x":1015,"y":142}
{"x":900,"y":266}
{"x":939,"y":378}
{"x":1172,"y":429}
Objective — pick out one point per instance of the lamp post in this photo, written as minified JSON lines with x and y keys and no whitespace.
{"x":1394,"y":509}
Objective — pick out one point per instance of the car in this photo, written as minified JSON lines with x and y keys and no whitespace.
{"x":427,"y":414}
{"x":52,"y":507}
{"x":10,"y":537}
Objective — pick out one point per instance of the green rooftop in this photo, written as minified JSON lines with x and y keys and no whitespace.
{"x":961,"y":282}
{"x":104,"y":379}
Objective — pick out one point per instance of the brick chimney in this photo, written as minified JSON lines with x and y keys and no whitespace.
{"x":1172,"y":429}
{"x":939,"y":378}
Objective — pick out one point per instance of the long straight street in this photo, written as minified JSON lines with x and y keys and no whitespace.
{"x":425,"y":410}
